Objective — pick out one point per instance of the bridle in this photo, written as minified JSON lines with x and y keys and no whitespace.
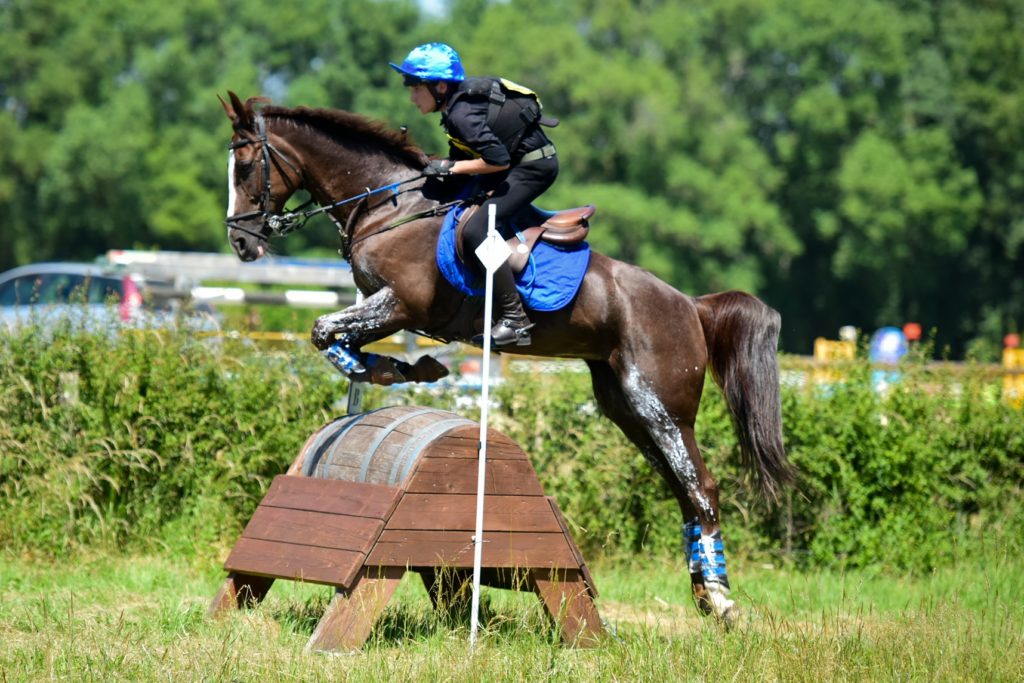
{"x":273,"y":224}
{"x":279,"y":225}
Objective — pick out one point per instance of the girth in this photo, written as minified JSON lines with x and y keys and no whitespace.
{"x":562,"y":228}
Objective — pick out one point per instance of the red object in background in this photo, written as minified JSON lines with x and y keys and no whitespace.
{"x":132,"y":300}
{"x":1011,"y":341}
{"x":912,"y":331}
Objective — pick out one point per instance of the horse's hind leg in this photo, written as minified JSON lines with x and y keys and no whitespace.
{"x":702,"y":538}
{"x":652,"y":431}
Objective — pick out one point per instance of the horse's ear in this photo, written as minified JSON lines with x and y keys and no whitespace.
{"x":240,"y":114}
{"x":228,"y":110}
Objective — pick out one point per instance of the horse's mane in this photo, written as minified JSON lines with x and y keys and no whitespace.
{"x":343,"y":125}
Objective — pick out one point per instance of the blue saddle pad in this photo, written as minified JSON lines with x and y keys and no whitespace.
{"x":549,"y":281}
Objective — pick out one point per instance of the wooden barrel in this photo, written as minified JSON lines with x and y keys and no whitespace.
{"x":379,"y":447}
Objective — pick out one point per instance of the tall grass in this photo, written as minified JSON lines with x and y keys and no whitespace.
{"x":143,"y":619}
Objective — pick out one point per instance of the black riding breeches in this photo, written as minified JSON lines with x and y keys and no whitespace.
{"x":513,"y":191}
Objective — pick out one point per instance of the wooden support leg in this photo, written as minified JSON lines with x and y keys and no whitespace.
{"x":567,"y":599}
{"x":240,"y":590}
{"x":350,"y":617}
{"x":448,"y":589}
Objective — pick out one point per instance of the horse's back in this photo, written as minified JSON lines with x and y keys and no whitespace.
{"x":619,"y":308}
{"x":629,"y":292}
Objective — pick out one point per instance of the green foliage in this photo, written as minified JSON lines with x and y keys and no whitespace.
{"x":106,"y":440}
{"x":147,"y":439}
{"x":910,"y":479}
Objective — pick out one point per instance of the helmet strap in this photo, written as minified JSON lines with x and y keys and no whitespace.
{"x":439,"y":97}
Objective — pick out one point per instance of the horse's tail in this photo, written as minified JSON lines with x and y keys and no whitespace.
{"x":742,"y":334}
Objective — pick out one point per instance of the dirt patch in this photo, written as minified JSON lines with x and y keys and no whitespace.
{"x":667,"y":618}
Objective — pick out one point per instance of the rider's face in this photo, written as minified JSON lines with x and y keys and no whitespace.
{"x":421,"y":96}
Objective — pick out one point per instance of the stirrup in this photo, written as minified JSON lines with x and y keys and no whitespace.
{"x":505,"y":333}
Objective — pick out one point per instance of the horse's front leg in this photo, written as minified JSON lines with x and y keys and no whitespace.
{"x":343,"y":334}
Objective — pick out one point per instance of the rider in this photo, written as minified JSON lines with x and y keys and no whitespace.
{"x":512,"y":177}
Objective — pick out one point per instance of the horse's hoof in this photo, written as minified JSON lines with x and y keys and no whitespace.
{"x":700,"y":599}
{"x":385,"y":373}
{"x":427,"y":369}
{"x":717,"y":600}
{"x":322,"y":335}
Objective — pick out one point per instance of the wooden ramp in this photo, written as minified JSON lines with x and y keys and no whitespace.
{"x":362,"y":537}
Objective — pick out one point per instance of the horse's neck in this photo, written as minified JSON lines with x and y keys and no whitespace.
{"x":335,"y":172}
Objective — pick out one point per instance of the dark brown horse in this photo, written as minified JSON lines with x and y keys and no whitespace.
{"x":647,"y":345}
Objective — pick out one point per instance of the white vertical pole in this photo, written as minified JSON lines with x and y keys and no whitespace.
{"x":356,"y":389}
{"x":491,"y":266}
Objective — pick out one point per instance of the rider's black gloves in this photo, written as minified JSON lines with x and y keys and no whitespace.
{"x":438,"y":167}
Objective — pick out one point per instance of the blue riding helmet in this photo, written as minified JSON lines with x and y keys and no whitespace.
{"x":432,"y":62}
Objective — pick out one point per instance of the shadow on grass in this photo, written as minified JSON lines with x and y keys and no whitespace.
{"x":503,"y":615}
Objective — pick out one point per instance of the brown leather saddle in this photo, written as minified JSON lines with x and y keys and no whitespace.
{"x":570,"y":226}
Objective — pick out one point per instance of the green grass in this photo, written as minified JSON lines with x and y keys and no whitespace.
{"x":144,"y":618}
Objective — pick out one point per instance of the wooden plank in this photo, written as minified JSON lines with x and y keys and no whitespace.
{"x":458,"y":476}
{"x":472,"y":432}
{"x":444,"y":512}
{"x":449,"y":446}
{"x":568,"y":602}
{"x":240,"y":590}
{"x":342,"y":532}
{"x":337,"y":469}
{"x":350,"y":617}
{"x":297,"y":562}
{"x":332,"y":496}
{"x":455,"y":549}
{"x":584,"y":570}
{"x":386,"y":418}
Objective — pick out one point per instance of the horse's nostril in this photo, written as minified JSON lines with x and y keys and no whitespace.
{"x":240,"y":245}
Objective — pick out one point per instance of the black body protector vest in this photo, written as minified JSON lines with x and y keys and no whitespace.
{"x":512,"y":111}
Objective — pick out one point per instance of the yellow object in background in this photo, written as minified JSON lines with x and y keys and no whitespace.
{"x":1013,"y":382}
{"x":828,"y":352}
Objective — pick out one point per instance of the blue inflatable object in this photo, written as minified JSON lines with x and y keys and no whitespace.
{"x":888,"y":345}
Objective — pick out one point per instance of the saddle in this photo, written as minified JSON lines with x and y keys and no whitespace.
{"x":533,"y":225}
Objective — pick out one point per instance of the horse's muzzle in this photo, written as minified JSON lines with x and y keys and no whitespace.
{"x":248,"y":244}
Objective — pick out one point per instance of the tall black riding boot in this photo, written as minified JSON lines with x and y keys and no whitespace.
{"x":512,"y":326}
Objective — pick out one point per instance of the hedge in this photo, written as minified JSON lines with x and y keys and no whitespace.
{"x":147,"y":440}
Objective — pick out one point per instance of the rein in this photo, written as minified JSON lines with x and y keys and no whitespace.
{"x":346,"y":237}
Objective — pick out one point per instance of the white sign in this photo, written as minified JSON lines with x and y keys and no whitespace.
{"x":493,"y":251}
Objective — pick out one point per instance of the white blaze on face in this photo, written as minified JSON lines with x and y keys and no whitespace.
{"x":232,"y":195}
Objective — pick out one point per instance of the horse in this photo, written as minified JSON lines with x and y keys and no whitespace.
{"x":647,"y":345}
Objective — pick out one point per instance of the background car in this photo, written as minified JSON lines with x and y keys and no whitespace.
{"x":101,"y":297}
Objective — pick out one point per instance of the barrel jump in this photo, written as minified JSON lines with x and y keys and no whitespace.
{"x":376,"y":494}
